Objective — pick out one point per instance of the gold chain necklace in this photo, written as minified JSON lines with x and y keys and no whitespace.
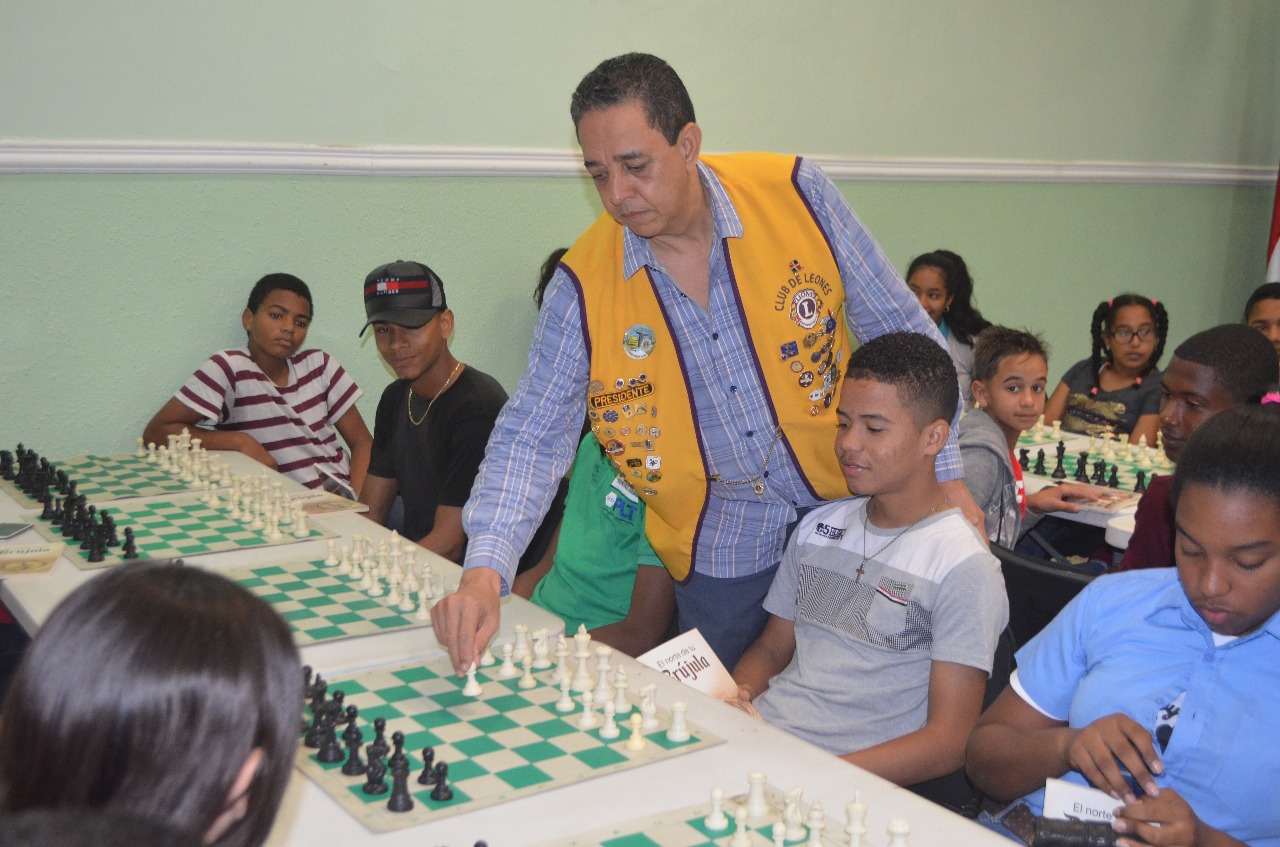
{"x":756,"y":482}
{"x":442,"y":390}
{"x":865,"y":556}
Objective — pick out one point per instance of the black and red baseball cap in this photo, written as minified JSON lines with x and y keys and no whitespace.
{"x":404,"y":293}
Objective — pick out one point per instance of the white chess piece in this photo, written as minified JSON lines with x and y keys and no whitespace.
{"x":472,"y":688}
{"x":526,"y":679}
{"x":741,"y":836}
{"x":301,"y":528}
{"x":648,"y":706}
{"x":565,"y":703}
{"x":375,"y":582}
{"x":393,"y":593}
{"x":508,"y":668}
{"x":779,"y":834}
{"x":604,"y":688}
{"x":562,"y":659}
{"x":610,"y":728}
{"x":410,"y":587}
{"x":620,"y":702}
{"x":540,"y":660}
{"x":487,"y":659}
{"x":344,"y":561}
{"x":791,"y":814}
{"x":424,"y":609}
{"x":141,"y":452}
{"x":856,"y":814}
{"x":587,"y":719}
{"x":716,"y":819}
{"x":817,"y":824}
{"x":521,"y":631}
{"x":757,"y":805}
{"x":636,"y":742}
{"x":678,"y":732}
{"x":582,"y":680}
{"x":898,"y":831}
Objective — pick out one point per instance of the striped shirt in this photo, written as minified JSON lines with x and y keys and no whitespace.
{"x":294,"y":422}
{"x":742,"y":534}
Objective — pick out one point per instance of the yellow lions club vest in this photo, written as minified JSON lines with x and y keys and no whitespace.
{"x":786,"y":284}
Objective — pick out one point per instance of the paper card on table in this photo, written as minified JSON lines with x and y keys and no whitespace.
{"x":1070,"y":801}
{"x":325,"y":502}
{"x":689,"y":658}
{"x":29,"y":558}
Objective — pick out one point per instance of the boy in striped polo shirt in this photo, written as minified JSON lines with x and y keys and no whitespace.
{"x":269,"y":400}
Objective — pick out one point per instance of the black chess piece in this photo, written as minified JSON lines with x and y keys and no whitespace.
{"x":352,"y":735}
{"x":318,"y":706}
{"x":1059,"y":470}
{"x":375,"y":777}
{"x":330,"y":750}
{"x":1099,"y":472}
{"x":1113,"y":481}
{"x":1082,"y":467}
{"x":130,"y":549}
{"x":110,"y":538}
{"x":1039,"y":468}
{"x":398,"y":756}
{"x":379,"y":748}
{"x":336,"y":707}
{"x":428,"y":775}
{"x":1024,"y":458}
{"x":1141,"y":484}
{"x":47,"y":512}
{"x":400,"y":799}
{"x":442,"y":793}
{"x":95,"y":550}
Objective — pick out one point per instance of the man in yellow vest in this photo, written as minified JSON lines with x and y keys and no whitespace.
{"x":702,"y":324}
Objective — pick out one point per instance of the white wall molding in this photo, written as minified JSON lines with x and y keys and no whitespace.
{"x":19,"y":156}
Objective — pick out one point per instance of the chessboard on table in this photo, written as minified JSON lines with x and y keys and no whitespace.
{"x":505,"y":744}
{"x":1126,"y":470}
{"x":169,"y":529}
{"x":103,"y":479}
{"x":687,"y":827}
{"x":320,"y":604}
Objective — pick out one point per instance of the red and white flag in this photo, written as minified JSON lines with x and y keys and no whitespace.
{"x":1273,"y":254}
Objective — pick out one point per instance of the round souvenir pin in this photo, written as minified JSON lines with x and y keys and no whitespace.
{"x":638,"y":342}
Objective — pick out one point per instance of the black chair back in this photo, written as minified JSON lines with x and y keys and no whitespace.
{"x":1037,"y":589}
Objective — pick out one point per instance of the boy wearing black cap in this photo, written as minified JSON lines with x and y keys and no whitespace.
{"x":434,"y":421}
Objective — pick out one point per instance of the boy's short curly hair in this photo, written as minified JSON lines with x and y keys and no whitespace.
{"x":917,"y":366}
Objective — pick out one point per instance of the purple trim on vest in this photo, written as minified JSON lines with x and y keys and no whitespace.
{"x":795,"y":172}
{"x":582,"y":312}
{"x":697,"y":431}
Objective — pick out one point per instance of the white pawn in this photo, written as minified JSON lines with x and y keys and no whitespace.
{"x":273,"y":528}
{"x":817,"y":823}
{"x":141,"y":452}
{"x":610,"y":728}
{"x":472,"y":688}
{"x":357,"y":572}
{"x":301,"y":529}
{"x":152,"y":457}
{"x":716,"y":819}
{"x":332,"y":558}
{"x":526,"y":679}
{"x":678,"y":732}
{"x":393,"y":593}
{"x":636,"y":742}
{"x":375,"y":582}
{"x":757,"y":806}
{"x":508,"y":668}
{"x":587,"y":719}
{"x":856,"y":813}
{"x":409,"y":588}
{"x":620,"y":702}
{"x":1057,"y":429}
{"x":741,"y":836}
{"x":487,"y":659}
{"x":779,"y":834}
{"x":344,"y":562}
{"x":648,"y":707}
{"x":424,"y":607}
{"x":565,"y":703}
{"x":898,"y":832}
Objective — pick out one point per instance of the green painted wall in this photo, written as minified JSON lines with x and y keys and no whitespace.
{"x":117,"y":286}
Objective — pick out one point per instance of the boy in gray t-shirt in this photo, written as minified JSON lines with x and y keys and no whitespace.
{"x":886,"y":610}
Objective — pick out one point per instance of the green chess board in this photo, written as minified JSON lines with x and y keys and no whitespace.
{"x":505,"y":744}
{"x":102,"y":479}
{"x":320,"y":604}
{"x":167,"y":529}
{"x":687,"y":827}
